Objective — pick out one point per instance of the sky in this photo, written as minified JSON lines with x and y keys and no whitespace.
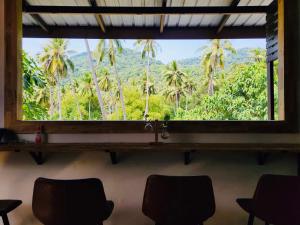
{"x":169,"y":49}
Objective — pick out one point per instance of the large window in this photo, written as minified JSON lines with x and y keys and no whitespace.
{"x":207,"y":81}
{"x":76,"y":79}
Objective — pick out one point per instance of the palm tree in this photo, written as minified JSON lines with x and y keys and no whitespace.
{"x":174,"y":78}
{"x":110,"y":48}
{"x":214,"y":59}
{"x":147,"y":82}
{"x":106,"y":84}
{"x":258,"y":54}
{"x":149,"y":48}
{"x":189,"y":87}
{"x":99,"y":94}
{"x":56,"y":65}
{"x":105,"y":81}
{"x":88,"y":89}
{"x":74,"y":86}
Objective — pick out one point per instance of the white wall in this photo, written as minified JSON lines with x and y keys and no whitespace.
{"x":234,"y":175}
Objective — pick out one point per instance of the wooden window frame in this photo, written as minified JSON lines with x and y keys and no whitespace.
{"x":287,"y":78}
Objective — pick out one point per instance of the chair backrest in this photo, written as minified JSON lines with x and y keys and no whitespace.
{"x":68,"y":202}
{"x":170,"y":200}
{"x":277,"y":199}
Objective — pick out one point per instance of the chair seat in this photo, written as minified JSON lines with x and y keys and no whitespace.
{"x":246,"y":204}
{"x":8,"y":205}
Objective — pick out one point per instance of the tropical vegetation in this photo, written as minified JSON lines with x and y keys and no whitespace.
{"x":111,"y":82}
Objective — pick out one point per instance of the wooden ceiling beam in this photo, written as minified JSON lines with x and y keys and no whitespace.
{"x":144,"y":32}
{"x":227,"y":10}
{"x":163,"y":17}
{"x":99,"y":18}
{"x":225,"y":18}
{"x":37,"y":18}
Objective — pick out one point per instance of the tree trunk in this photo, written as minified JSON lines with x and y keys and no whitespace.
{"x":112,"y":101}
{"x":99,"y":95}
{"x":59,"y":97}
{"x":177,"y":101}
{"x":89,"y":109}
{"x":76,"y":101}
{"x":186,"y":104}
{"x":147,"y":88}
{"x":51,"y":103}
{"x":121,"y":93}
{"x":211,"y":84}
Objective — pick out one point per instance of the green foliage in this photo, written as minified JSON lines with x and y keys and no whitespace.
{"x":177,"y":91}
{"x":34,"y":105}
{"x":243,"y":96}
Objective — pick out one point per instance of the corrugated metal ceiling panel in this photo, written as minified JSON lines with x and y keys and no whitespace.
{"x":27,"y":20}
{"x":140,"y":20}
{"x":214,"y":20}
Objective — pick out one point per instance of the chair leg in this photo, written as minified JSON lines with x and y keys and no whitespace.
{"x":5,"y":219}
{"x":251,"y":219}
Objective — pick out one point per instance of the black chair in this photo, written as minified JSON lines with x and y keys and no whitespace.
{"x":70,"y":202}
{"x":7,"y":206}
{"x":179,"y":200}
{"x":276,"y":200}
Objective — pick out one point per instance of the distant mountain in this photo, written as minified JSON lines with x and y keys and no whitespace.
{"x":130,"y":63}
{"x":241,"y":56}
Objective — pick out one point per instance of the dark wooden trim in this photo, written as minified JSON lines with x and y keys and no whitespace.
{"x":298,"y":164}
{"x":262,"y":158}
{"x":38,"y":157}
{"x":98,"y":17}
{"x":270,"y":78}
{"x":144,"y":32}
{"x":291,"y":79}
{"x":30,"y":127}
{"x":37,"y":18}
{"x":225,"y":18}
{"x":187,"y":157}
{"x":145,"y":10}
{"x":163,"y":17}
{"x":13,"y":38}
{"x":13,"y":57}
{"x":113,"y":158}
{"x":174,"y":147}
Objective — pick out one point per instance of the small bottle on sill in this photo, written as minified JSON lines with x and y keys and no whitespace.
{"x":40,"y":137}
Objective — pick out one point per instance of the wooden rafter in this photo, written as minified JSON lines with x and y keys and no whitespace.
{"x":225,"y":18}
{"x":145,"y":32}
{"x":37,"y":18}
{"x":227,"y":10}
{"x":99,"y":18}
{"x":162,"y":17}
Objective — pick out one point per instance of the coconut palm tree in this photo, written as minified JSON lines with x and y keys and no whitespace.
{"x":189,"y":87}
{"x":258,"y":54}
{"x":149,"y":48}
{"x":147,"y":82}
{"x":98,"y":91}
{"x":88,"y":89}
{"x":106,"y":84}
{"x":110,"y":48}
{"x":214,"y":59}
{"x":56,"y":65}
{"x":74,"y":86}
{"x":174,"y":78}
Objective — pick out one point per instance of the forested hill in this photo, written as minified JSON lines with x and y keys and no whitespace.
{"x":242,"y":56}
{"x":130,"y":63}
